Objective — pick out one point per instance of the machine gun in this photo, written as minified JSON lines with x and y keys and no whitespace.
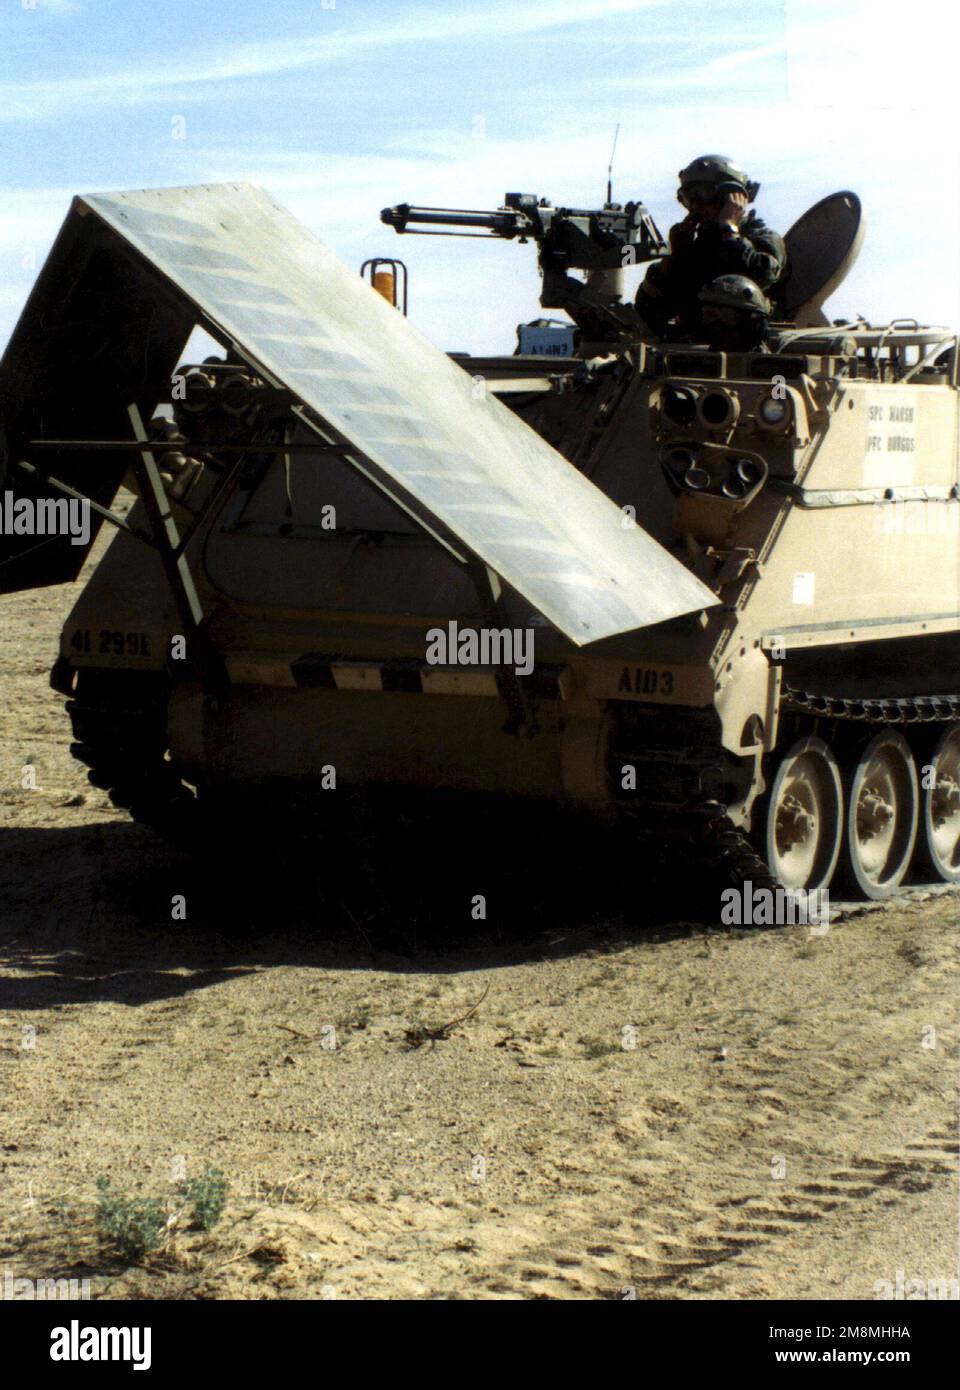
{"x":601,"y":241}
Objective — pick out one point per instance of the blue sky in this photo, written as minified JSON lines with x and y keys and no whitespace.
{"x":340,"y":107}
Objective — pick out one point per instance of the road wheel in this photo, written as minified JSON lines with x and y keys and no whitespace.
{"x":940,"y":814}
{"x":804,"y":821}
{"x":882,"y":815}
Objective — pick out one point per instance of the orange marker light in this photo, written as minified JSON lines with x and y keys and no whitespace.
{"x":385,"y":283}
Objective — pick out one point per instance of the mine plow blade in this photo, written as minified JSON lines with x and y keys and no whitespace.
{"x":133,"y":273}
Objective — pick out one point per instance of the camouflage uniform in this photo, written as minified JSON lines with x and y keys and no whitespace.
{"x":698,"y":256}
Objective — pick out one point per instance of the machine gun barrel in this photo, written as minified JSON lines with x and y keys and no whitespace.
{"x":585,"y":238}
{"x":506,"y":222}
{"x":601,"y":241}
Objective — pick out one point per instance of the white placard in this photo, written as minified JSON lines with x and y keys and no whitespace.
{"x":803,"y":586}
{"x":889,"y":457}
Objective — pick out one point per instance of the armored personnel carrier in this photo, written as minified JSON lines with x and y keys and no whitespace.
{"x":713,"y":595}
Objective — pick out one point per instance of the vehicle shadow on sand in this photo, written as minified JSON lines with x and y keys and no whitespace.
{"x":109,"y":911}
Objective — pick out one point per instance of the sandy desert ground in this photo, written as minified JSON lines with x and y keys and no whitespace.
{"x":638,"y":1107}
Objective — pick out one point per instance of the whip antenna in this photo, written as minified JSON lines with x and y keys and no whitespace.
{"x":610,"y":165}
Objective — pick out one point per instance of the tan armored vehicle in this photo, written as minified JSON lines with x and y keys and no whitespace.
{"x":713,"y":593}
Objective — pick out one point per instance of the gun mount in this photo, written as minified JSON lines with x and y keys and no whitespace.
{"x":601,"y":241}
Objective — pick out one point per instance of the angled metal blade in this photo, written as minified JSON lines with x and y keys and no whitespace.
{"x":418,"y":423}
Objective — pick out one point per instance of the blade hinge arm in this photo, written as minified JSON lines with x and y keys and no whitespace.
{"x":104,"y":512}
{"x":203,"y":658}
{"x":522,"y":720}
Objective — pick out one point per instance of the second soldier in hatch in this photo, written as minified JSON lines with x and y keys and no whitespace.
{"x":719,"y":236}
{"x":735,"y":314}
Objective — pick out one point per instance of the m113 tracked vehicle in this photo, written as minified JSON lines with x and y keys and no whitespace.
{"x":713,"y":594}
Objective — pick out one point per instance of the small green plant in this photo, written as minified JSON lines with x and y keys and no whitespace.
{"x":132,"y":1225}
{"x":207,"y":1197}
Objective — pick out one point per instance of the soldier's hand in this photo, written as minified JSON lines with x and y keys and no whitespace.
{"x":732,"y":212}
{"x":683,"y":233}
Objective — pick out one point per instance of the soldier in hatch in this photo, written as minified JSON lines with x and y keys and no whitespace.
{"x":734,"y":314}
{"x":718,"y":237}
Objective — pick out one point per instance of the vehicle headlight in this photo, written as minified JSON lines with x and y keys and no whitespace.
{"x":679,"y":405}
{"x":773,"y":412}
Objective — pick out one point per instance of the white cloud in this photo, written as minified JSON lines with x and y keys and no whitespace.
{"x":872,"y":54}
{"x":327,"y":47}
{"x":846,"y":55}
{"x":29,"y":218}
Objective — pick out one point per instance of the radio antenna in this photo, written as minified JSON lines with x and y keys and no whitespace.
{"x":610,"y":165}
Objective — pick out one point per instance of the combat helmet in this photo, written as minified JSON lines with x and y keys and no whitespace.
{"x":718,"y":171}
{"x":734,"y":314}
{"x":736,"y":292}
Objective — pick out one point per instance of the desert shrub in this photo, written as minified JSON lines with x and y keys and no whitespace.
{"x":207,"y":1197}
{"x":132,"y":1225}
